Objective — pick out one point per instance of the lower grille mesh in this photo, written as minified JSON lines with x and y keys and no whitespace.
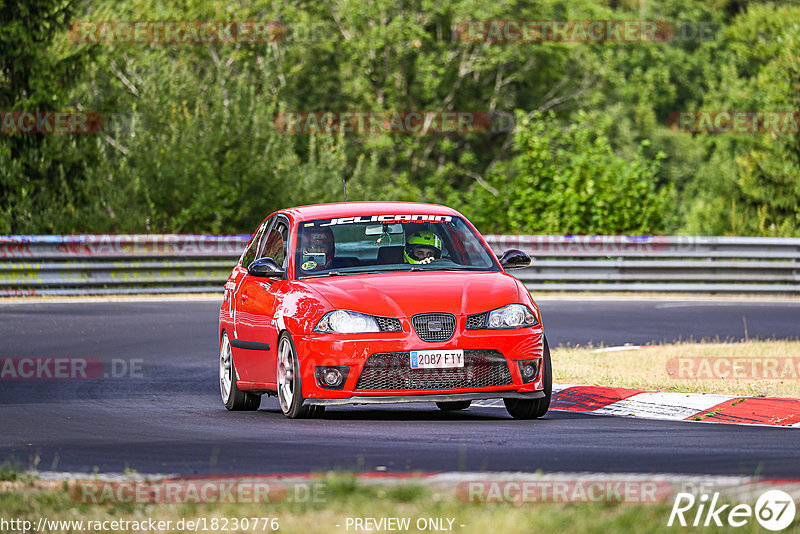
{"x":392,"y":371}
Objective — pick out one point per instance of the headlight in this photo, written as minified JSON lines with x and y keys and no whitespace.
{"x":511,"y":316}
{"x":346,"y":322}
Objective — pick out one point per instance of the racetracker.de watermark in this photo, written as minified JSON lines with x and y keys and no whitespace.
{"x":735,"y":121}
{"x":50,"y":122}
{"x":206,"y":490}
{"x":592,"y":245}
{"x":577,"y":490}
{"x":113,"y":245}
{"x":583,"y":31}
{"x":379,"y":122}
{"x":733,"y":368}
{"x":176,"y":31}
{"x":69,"y":368}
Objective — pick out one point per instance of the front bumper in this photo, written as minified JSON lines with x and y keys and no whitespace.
{"x":450,"y":397}
{"x":354,"y":350}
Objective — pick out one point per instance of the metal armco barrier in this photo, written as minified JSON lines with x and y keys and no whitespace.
{"x":657,"y":263}
{"x":116,"y":264}
{"x":135,"y":264}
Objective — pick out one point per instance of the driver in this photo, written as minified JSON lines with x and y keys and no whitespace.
{"x":422,"y":247}
{"x":318,"y":248}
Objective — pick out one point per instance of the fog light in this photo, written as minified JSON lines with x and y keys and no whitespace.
{"x":332,"y":377}
{"x":529,"y":369}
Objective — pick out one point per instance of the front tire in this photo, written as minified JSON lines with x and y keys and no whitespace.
{"x":233,"y":398}
{"x":534,"y":408}
{"x":290,"y":388}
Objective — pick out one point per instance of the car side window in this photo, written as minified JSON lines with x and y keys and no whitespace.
{"x":275,"y":242}
{"x":249,"y":254}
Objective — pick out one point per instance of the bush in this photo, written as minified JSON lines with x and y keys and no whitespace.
{"x":567,"y":179}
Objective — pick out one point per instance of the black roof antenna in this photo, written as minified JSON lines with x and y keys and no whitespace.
{"x":344,"y":186}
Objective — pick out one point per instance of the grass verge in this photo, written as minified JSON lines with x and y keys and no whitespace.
{"x":752,"y":368}
{"x":341,"y":497}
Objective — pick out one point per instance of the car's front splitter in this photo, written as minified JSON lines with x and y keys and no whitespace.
{"x":449,"y":397}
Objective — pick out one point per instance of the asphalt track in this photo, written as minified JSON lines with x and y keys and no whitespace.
{"x":170,"y":419}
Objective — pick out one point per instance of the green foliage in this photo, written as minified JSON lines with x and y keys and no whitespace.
{"x":768,"y":187}
{"x":190,"y":145}
{"x":38,"y":174}
{"x":748,"y":183}
{"x":569,"y":180}
{"x":10,"y":470}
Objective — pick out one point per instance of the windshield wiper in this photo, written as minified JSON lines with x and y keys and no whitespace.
{"x":321,"y":275}
{"x":451,"y":269}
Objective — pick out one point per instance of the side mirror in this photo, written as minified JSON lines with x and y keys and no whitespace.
{"x":265,"y":267}
{"x":514,"y":259}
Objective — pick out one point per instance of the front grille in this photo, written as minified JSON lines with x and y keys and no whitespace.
{"x":434,"y":326}
{"x":477,"y":321}
{"x":392,"y":371}
{"x":389,"y":324}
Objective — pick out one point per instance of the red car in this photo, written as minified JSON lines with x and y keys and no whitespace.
{"x":379,"y":302}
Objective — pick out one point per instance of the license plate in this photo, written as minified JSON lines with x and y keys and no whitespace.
{"x":437,"y":359}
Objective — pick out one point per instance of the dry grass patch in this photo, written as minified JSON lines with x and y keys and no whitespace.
{"x":752,"y":368}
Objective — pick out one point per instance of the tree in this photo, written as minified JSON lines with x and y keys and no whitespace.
{"x":38,"y":173}
{"x":567,"y":179}
{"x":749,"y":185}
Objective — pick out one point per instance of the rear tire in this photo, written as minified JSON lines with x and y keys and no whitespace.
{"x":451,"y":406}
{"x":534,"y":408}
{"x":290,"y":388}
{"x":233,"y":398}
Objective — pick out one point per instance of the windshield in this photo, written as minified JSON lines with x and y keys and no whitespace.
{"x":384,"y":243}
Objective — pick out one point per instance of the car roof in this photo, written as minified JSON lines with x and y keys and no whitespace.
{"x":355,"y":209}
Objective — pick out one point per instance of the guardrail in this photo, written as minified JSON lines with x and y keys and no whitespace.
{"x":116,"y":264}
{"x":135,"y":264}
{"x":657,"y":263}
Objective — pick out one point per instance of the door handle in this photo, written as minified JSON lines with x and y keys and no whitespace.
{"x":243,"y":297}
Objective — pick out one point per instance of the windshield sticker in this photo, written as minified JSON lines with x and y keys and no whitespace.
{"x":389,"y":219}
{"x":309,"y":265}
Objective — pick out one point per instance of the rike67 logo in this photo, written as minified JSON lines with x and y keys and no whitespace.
{"x":774,"y":510}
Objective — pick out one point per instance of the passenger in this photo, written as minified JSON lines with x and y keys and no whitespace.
{"x":318,"y":249}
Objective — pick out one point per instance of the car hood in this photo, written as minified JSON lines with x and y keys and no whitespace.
{"x":407,"y":294}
